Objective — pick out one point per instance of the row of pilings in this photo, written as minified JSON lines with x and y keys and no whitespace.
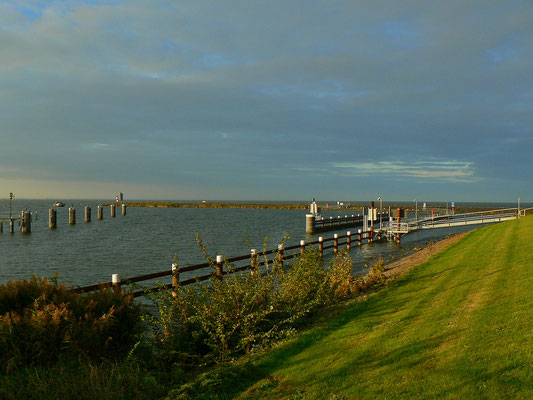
{"x":25,"y":218}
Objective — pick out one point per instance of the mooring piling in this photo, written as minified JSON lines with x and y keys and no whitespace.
{"x":52,"y":218}
{"x":123,"y":209}
{"x":87,"y":214}
{"x":26,"y":222}
{"x":72,"y":216}
{"x":310,"y":223}
{"x":112,"y":210}
{"x":100,"y":212}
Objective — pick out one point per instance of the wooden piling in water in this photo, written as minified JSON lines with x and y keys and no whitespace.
{"x":100,"y":213}
{"x":1,"y":226}
{"x":72,"y":216}
{"x":11,"y":225}
{"x":310,"y":224}
{"x":87,"y":214}
{"x":123,"y":209}
{"x":112,"y":210}
{"x":26,"y":222}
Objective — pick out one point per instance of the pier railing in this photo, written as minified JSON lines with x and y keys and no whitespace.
{"x":225,"y":266}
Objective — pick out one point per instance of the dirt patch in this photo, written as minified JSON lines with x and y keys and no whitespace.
{"x":401,"y":266}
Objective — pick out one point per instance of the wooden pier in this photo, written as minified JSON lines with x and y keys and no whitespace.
{"x":315,"y":223}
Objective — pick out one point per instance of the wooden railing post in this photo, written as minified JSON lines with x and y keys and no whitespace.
{"x":253,"y":261}
{"x":115,"y":280}
{"x":175,"y":280}
{"x":220,"y":266}
{"x":349,"y":239}
{"x":280,"y":254}
{"x":336,"y":243}
{"x":302,"y":246}
{"x":321,"y":246}
{"x":359,"y":237}
{"x":371,"y":234}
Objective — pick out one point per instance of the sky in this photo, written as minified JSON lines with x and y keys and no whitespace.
{"x":267,"y":100}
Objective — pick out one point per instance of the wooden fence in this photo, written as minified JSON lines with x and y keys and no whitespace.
{"x":281,"y":254}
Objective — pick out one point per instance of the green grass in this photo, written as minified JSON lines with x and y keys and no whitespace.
{"x":459,"y":326}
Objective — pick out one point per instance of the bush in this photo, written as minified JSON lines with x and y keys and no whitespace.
{"x":41,"y":320}
{"x":246,"y":311}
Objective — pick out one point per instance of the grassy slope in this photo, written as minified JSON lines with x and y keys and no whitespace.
{"x":458,"y":326}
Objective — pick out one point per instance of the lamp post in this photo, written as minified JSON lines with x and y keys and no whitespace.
{"x":380,"y":207}
{"x":11,"y":197}
{"x":416,"y":210}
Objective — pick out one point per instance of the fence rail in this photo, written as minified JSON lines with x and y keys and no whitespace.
{"x":281,"y":253}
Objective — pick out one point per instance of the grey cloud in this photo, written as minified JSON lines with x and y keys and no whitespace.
{"x":224,"y":91}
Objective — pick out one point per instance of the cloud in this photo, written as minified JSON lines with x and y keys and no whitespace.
{"x":225,"y":91}
{"x":448,"y":171}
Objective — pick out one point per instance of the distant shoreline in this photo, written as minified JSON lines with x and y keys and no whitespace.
{"x":276,"y":206}
{"x":170,"y":204}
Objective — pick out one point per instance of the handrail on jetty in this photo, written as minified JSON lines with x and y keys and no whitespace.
{"x":279,"y":253}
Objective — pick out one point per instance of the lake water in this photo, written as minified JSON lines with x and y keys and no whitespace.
{"x":146,"y":239}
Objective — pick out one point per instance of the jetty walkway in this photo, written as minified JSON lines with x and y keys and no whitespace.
{"x":396,"y":227}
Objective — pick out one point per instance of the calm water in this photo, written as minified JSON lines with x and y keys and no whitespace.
{"x":146,"y":239}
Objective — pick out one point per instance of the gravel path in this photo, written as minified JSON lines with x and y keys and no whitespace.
{"x":401,"y":266}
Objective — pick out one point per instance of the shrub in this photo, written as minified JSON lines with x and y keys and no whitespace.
{"x":41,"y":320}
{"x":244,"y":312}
